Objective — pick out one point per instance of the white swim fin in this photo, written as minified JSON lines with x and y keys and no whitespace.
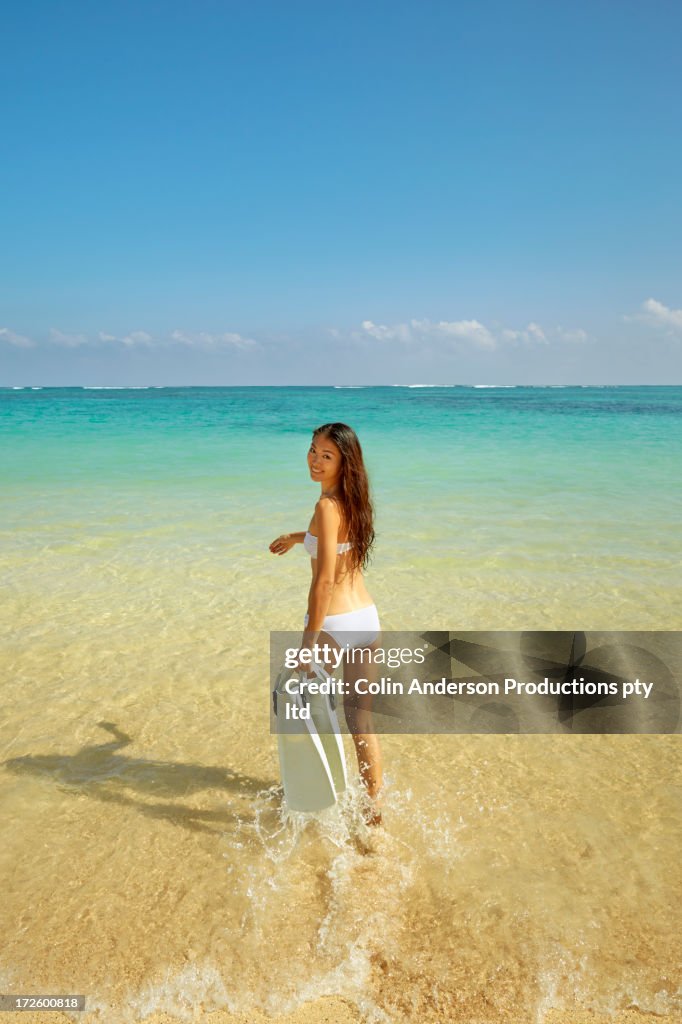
{"x":327,"y":725}
{"x":311,"y":755}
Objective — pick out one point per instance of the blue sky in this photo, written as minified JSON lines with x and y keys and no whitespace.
{"x":316,"y":192}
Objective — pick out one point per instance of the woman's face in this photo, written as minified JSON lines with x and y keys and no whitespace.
{"x":324,"y":461}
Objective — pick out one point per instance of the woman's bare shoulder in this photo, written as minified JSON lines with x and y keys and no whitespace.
{"x":329,"y":507}
{"x":327,"y":511}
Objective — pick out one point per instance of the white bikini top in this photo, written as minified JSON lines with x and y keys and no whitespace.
{"x":310,"y":544}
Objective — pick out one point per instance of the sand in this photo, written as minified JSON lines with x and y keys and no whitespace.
{"x":338,"y":1011}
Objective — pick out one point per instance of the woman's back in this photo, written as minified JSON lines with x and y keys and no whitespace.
{"x":349,"y":591}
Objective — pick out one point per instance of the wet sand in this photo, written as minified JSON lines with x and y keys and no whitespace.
{"x":337,"y":1011}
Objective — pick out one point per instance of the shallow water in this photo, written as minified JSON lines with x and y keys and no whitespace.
{"x":514,"y":875}
{"x":147,"y":862}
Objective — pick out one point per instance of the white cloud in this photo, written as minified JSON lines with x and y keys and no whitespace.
{"x":399,"y":332}
{"x":536,"y":331}
{"x":67,"y":340}
{"x":655,"y":312}
{"x":137,"y":338}
{"x":418,"y":330}
{"x":129,"y":340}
{"x":532,"y":333}
{"x":470,"y":331}
{"x":18,"y":340}
{"x":75,"y":340}
{"x":201,"y":339}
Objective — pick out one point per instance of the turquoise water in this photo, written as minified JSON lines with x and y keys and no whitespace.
{"x":498,"y":507}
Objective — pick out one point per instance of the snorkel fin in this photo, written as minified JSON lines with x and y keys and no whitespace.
{"x":311,"y":755}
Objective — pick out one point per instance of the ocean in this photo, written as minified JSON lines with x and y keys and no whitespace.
{"x":146,"y":860}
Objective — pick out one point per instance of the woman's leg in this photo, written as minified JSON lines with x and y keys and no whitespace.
{"x":358,"y":712}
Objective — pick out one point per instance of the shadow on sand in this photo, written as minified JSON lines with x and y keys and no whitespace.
{"x":100,"y":772}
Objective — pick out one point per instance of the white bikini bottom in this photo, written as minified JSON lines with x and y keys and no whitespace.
{"x":352,"y":629}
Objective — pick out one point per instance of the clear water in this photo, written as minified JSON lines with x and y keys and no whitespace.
{"x":145,"y":860}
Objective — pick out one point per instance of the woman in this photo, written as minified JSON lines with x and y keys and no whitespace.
{"x":340,"y":611}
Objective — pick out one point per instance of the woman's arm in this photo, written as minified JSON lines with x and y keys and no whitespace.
{"x":327,"y":522}
{"x":282,"y":544}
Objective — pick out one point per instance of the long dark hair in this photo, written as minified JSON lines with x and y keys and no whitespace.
{"x":353,"y":492}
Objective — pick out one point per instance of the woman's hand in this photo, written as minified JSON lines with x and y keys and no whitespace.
{"x":282,"y":544}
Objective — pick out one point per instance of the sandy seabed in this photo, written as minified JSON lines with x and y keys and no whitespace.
{"x":332,"y":1010}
